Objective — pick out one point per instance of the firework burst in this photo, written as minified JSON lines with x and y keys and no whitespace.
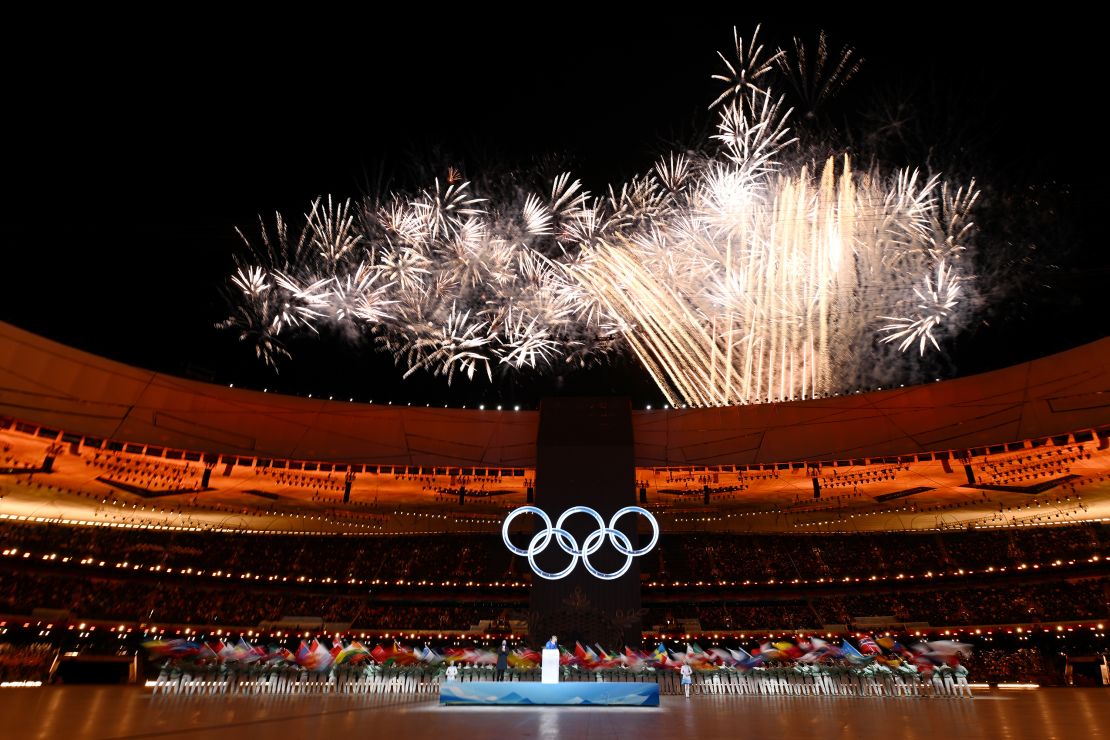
{"x":738,"y":274}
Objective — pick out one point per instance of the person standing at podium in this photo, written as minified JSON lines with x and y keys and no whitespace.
{"x":550,"y":667}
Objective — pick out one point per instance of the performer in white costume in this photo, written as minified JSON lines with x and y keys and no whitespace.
{"x":687,"y":678}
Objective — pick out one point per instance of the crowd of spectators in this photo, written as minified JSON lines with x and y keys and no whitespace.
{"x":775,"y":617}
{"x":1027,"y":665}
{"x":1043,"y":602}
{"x":715,"y":557}
{"x":332,"y":577}
{"x":1029,"y":604}
{"x":26,"y":662}
{"x":142,"y":601}
{"x":366,"y":558}
{"x":483,"y":558}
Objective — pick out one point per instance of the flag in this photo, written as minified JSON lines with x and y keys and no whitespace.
{"x":176,"y":649}
{"x":249,"y":653}
{"x":321,"y":659}
{"x":788,"y":649}
{"x":634,"y":659}
{"x":206,"y":653}
{"x":431,"y":656}
{"x":894,"y":646}
{"x":743,"y":658}
{"x":868,"y":646}
{"x":819,"y":650}
{"x":584,"y":655}
{"x":352,"y":653}
{"x":852,"y":655}
{"x":228,"y":652}
{"x":694,"y":650}
{"x":524,"y":658}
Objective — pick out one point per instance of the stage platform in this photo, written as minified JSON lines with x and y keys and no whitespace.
{"x":531,"y":693}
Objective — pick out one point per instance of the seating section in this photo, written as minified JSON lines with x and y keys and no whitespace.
{"x":134,"y":473}
{"x":1029,"y":466}
{"x":452,"y":582}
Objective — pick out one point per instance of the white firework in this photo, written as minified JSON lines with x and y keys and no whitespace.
{"x":738,"y":275}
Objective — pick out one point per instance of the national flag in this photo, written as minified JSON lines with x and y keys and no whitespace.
{"x":249,"y":653}
{"x":321,"y":659}
{"x":788,"y":649}
{"x":379,"y":654}
{"x":768,"y":651}
{"x":524,"y":658}
{"x":819,"y":650}
{"x":352,"y":653}
{"x":889,"y":643}
{"x":743,"y":657}
{"x":584,"y":655}
{"x":206,"y":653}
{"x":176,"y":649}
{"x":431,"y":656}
{"x":852,"y":655}
{"x":232,"y":653}
{"x":721,"y":656}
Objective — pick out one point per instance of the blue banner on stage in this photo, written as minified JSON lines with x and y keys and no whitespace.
{"x":572,"y":693}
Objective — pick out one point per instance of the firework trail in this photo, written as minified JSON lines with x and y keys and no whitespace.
{"x":816,"y":75}
{"x":739,"y":275}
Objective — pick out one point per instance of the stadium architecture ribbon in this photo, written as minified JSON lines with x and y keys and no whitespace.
{"x":569,"y":545}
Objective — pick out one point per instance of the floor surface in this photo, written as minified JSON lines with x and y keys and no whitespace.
{"x":79,"y":712}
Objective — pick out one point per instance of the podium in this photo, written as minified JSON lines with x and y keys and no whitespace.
{"x":550,"y":666}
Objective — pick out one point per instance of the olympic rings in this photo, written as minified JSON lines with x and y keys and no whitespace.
{"x":566,"y":542}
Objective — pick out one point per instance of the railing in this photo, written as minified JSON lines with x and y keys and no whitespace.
{"x":423,"y":680}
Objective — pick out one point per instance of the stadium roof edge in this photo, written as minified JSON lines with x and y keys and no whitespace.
{"x":54,"y":385}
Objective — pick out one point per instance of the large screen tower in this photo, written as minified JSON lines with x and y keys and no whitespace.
{"x":585,"y":458}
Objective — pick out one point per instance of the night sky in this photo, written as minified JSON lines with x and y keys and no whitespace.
{"x":131,"y":157}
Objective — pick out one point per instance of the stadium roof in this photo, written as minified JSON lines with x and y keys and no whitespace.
{"x":57,"y":386}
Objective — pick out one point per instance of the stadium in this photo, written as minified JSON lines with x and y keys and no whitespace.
{"x":335,"y":403}
{"x":141,"y":507}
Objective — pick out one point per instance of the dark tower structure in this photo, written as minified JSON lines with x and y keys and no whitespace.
{"x":585,"y":458}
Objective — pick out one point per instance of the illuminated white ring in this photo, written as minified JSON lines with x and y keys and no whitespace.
{"x":614,"y":535}
{"x":654,"y":531}
{"x":586,"y":550}
{"x":526,"y":510}
{"x":568,"y":544}
{"x":532,"y":550}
